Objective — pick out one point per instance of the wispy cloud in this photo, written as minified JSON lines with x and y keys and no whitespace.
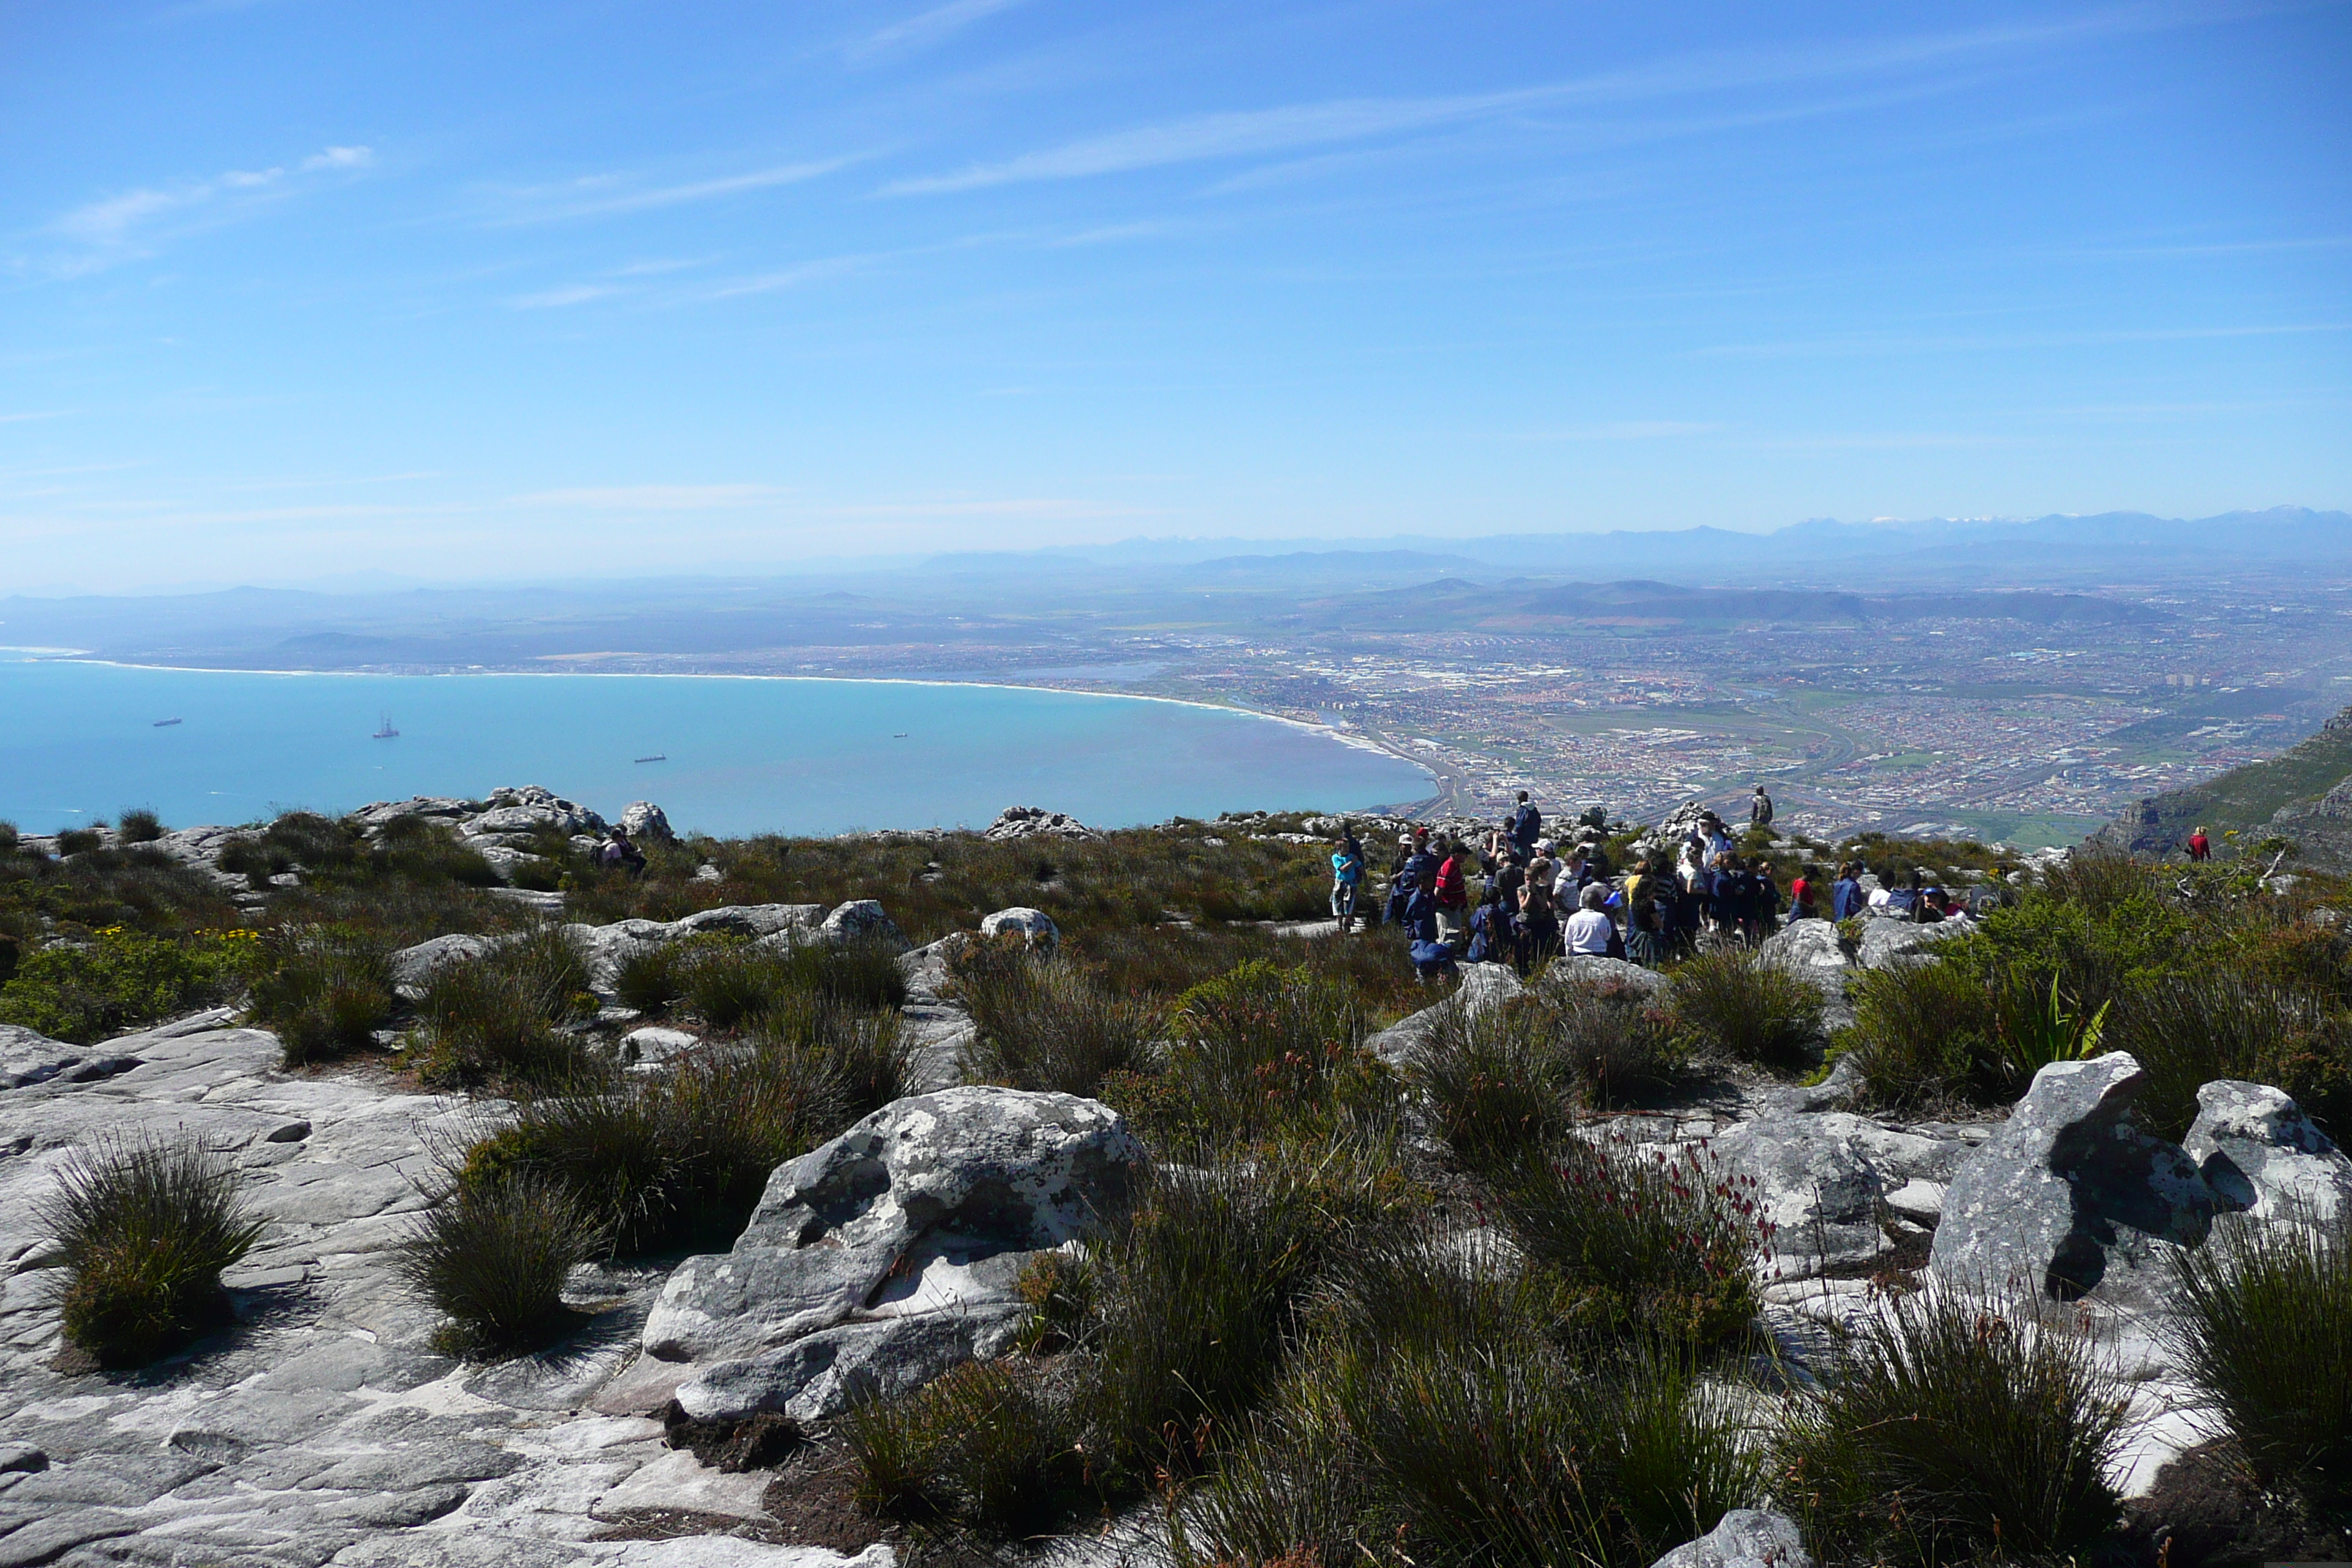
{"x":556,"y":298}
{"x":1296,"y":127}
{"x":1862,"y":344}
{"x":121,"y":227}
{"x":925,"y":29}
{"x":604,"y":196}
{"x":654,"y":497}
{"x":1625,"y":430}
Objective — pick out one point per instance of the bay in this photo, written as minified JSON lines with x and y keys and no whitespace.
{"x":80,"y":742}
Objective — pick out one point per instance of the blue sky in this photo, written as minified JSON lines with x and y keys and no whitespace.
{"x":292,"y":289}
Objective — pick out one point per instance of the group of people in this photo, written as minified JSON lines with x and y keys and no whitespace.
{"x":1535,"y":898}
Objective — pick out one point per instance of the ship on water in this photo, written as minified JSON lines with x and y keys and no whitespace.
{"x":385,"y":731}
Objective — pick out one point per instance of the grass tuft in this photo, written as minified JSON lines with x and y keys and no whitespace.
{"x":324,"y":989}
{"x":492,"y":1258}
{"x":495,"y":1018}
{"x":1739,"y":1003}
{"x":1952,"y":1433}
{"x":1046,"y":1022}
{"x":144,"y":1228}
{"x":2265,"y":1334}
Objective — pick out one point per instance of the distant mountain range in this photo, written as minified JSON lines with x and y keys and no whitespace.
{"x":2030,"y":571}
{"x":1998,"y":553}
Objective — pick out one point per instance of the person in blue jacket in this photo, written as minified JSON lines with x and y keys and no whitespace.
{"x":1846,"y":897}
{"x":1347,"y":878}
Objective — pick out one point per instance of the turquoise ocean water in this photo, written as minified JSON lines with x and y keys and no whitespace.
{"x":80,"y":741}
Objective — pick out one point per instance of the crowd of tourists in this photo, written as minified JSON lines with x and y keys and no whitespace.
{"x":1525,"y":895}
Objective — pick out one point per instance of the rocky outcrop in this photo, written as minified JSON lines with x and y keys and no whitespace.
{"x":1036,"y":822}
{"x":862,"y":920}
{"x":1823,"y":1180}
{"x":1034,"y":926}
{"x":895,"y":1248}
{"x":2070,"y":1197}
{"x":643,"y":819}
{"x":415,"y":968}
{"x":1887,"y":943}
{"x":1745,"y":1538}
{"x":2263,"y":1155}
{"x":321,"y":1424}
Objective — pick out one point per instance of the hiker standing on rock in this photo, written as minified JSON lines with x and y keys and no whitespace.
{"x":1526,"y":826}
{"x":1760,"y":809}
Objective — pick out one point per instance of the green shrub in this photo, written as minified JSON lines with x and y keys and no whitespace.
{"x":139,"y":826}
{"x":729,"y":983}
{"x":492,"y":1257}
{"x":144,"y":1228}
{"x":1437,"y":1415}
{"x":986,"y":1444}
{"x":1950,"y":1433}
{"x":494,"y":1017}
{"x":1741,"y":1005}
{"x":1047,"y":1023}
{"x":1638,"y":1242}
{"x":675,"y":1158}
{"x":120,"y":979}
{"x":1272,"y":1052}
{"x":2035,"y":1028}
{"x":653,"y":978}
{"x":2189,"y":1029}
{"x":2266,"y":1336}
{"x":10,"y":838}
{"x":862,"y":1053}
{"x":324,"y":989}
{"x":1923,"y":1038}
{"x":80,"y":841}
{"x":1495,"y":1077}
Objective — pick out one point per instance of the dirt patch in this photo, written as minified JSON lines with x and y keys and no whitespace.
{"x":759,"y":1442}
{"x":813,"y":1500}
{"x":2205,"y":1511}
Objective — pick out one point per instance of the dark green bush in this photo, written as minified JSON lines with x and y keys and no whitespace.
{"x":1923,"y":1038}
{"x":10,"y":839}
{"x":1952,"y":1433}
{"x":1740,"y":1004}
{"x":2187,"y":1029}
{"x":679,"y":1157}
{"x":1496,"y":1077}
{"x":987,"y":1444}
{"x":1439,"y":1415}
{"x":324,"y":989}
{"x":492,"y":1257}
{"x":144,"y":1228}
{"x":2266,"y":1336}
{"x":1046,"y":1022}
{"x":1196,"y":1295}
{"x":139,"y":826}
{"x":496,"y":1017}
{"x":80,"y":841}
{"x":729,"y":983}
{"x":1270,"y":1052}
{"x":1640,"y":1242}
{"x":120,"y":979}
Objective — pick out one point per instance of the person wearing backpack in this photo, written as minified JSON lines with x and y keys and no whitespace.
{"x":1760,"y":809}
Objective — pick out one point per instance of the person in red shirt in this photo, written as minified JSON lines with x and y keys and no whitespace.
{"x":2200,"y":846}
{"x":1453,"y":891}
{"x":1800,"y":895}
